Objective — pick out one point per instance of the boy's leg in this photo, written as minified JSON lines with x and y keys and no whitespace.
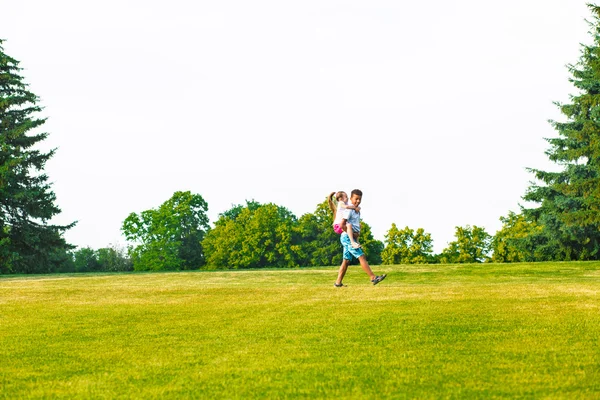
{"x":346,"y":256}
{"x":366,"y":267}
{"x":342,"y":272}
{"x":350,"y":252}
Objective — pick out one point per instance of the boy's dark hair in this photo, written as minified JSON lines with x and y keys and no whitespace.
{"x":357,"y":192}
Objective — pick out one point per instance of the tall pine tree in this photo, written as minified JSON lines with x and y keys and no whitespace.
{"x":28,"y":243}
{"x":569,"y":200}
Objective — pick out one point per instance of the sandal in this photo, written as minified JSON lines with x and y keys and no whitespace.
{"x":378,"y":279}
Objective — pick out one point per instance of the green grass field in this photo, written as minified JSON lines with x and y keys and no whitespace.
{"x":442,"y":331}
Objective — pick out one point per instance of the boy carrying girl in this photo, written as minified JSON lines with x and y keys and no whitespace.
{"x":350,"y":247}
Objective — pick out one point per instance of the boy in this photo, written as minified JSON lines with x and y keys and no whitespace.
{"x":353,"y":219}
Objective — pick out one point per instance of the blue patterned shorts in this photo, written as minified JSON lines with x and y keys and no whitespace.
{"x":348,"y":250}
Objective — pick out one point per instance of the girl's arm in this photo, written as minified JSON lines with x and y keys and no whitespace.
{"x":351,"y":207}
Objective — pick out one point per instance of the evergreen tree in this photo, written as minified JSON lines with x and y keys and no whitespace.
{"x":28,"y":243}
{"x":569,"y":200}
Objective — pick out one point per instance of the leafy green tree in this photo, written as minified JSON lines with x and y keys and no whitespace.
{"x":405,"y":246}
{"x":371,"y":246}
{"x":28,"y":243}
{"x":472,"y":245}
{"x":518,"y":239}
{"x":108,"y":259}
{"x":169,"y":237}
{"x":320,"y":245}
{"x":254,"y":236}
{"x":235,"y":210}
{"x":569,"y":200}
{"x":86,"y":260}
{"x":113,"y":259}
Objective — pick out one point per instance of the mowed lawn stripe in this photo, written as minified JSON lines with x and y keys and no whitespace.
{"x":433,"y":331}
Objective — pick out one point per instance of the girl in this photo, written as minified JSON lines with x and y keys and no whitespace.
{"x":340,"y":215}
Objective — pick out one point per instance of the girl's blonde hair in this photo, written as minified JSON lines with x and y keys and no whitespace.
{"x":337,"y":196}
{"x":332,"y":206}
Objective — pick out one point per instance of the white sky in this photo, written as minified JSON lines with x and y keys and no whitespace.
{"x":434,"y":109}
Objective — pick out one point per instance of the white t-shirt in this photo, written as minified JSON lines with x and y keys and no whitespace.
{"x":341,"y":213}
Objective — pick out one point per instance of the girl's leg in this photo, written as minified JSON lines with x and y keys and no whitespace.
{"x":350,"y":232}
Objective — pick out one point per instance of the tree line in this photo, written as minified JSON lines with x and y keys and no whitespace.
{"x":177,"y":236}
{"x":561,"y":221}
